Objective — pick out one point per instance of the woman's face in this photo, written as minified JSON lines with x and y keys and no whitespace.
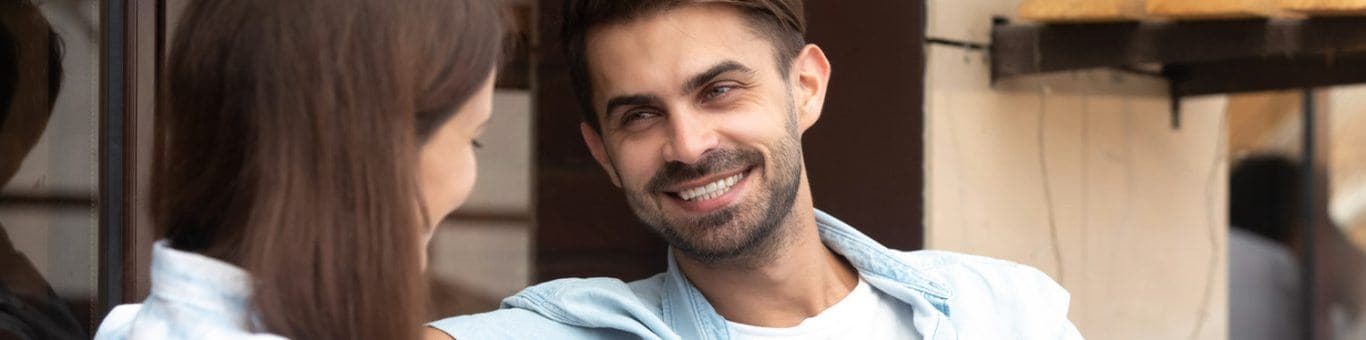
{"x":446,"y":165}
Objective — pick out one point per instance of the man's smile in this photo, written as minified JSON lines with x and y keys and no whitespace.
{"x":711,"y":190}
{"x":706,"y":194}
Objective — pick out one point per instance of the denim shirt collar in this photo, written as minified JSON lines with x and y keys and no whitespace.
{"x":692,"y":317}
{"x":201,"y":283}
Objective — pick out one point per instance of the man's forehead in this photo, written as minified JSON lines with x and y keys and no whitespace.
{"x":660,"y":51}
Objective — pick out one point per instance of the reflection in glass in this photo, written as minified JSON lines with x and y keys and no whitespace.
{"x":48,"y":226}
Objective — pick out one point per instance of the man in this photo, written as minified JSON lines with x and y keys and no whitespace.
{"x":695,"y":109}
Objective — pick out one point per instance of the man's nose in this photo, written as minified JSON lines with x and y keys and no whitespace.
{"x":691,"y":137}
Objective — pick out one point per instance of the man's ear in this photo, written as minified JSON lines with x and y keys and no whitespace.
{"x":594,"y":143}
{"x":813,"y":77}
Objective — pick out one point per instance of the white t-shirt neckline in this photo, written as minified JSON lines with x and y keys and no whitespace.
{"x":847,"y":308}
{"x":866,"y":313}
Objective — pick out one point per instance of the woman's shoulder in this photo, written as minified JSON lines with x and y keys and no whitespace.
{"x":141,"y":321}
{"x":117,"y":322}
{"x":192,"y":297}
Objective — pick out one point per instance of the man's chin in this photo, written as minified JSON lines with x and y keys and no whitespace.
{"x":711,"y":251}
{"x":715,"y":221}
{"x":715,"y":242}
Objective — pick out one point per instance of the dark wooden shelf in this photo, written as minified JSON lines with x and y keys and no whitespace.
{"x":1205,"y":57}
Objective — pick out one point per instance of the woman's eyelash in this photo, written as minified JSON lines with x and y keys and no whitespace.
{"x":477,"y":144}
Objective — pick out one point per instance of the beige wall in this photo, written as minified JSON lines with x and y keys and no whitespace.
{"x":1082,"y":176}
{"x":1347,"y":161}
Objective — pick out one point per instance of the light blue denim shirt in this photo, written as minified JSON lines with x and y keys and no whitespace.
{"x":193,"y":297}
{"x":953,"y":296}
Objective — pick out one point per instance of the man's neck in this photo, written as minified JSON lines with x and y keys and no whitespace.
{"x":797,"y":280}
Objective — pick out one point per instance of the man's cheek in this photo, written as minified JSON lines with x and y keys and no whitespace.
{"x":640,"y":179}
{"x":636,"y":172}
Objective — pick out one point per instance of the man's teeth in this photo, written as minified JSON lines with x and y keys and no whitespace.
{"x":711,"y":190}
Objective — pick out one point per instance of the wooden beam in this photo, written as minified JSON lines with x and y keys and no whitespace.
{"x":1325,"y":7}
{"x":1059,"y":11}
{"x":1267,"y":73}
{"x":1021,"y":49}
{"x":1213,"y":9}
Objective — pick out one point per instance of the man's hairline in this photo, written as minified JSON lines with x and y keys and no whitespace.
{"x":754,"y":25}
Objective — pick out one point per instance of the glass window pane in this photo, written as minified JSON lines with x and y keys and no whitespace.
{"x":48,"y":166}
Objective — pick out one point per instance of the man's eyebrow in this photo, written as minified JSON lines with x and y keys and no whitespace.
{"x":694,"y":83}
{"x":703,"y":78}
{"x":629,"y":100}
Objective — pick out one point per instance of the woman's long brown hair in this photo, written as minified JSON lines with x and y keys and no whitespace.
{"x":287,"y":144}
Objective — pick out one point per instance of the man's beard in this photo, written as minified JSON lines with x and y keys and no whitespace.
{"x":748,"y":229}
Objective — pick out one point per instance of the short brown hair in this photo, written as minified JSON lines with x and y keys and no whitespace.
{"x":288,"y":144}
{"x":782,"y":22}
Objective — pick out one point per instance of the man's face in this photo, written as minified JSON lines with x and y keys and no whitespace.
{"x":698,"y":128}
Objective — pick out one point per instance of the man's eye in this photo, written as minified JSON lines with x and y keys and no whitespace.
{"x":636,"y":115}
{"x":718,"y":91}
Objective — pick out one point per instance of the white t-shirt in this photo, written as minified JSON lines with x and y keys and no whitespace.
{"x":865,"y":313}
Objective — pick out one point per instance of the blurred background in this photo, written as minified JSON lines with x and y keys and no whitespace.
{"x":1186,"y":169}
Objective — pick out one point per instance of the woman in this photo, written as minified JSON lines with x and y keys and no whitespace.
{"x":306,"y":152}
